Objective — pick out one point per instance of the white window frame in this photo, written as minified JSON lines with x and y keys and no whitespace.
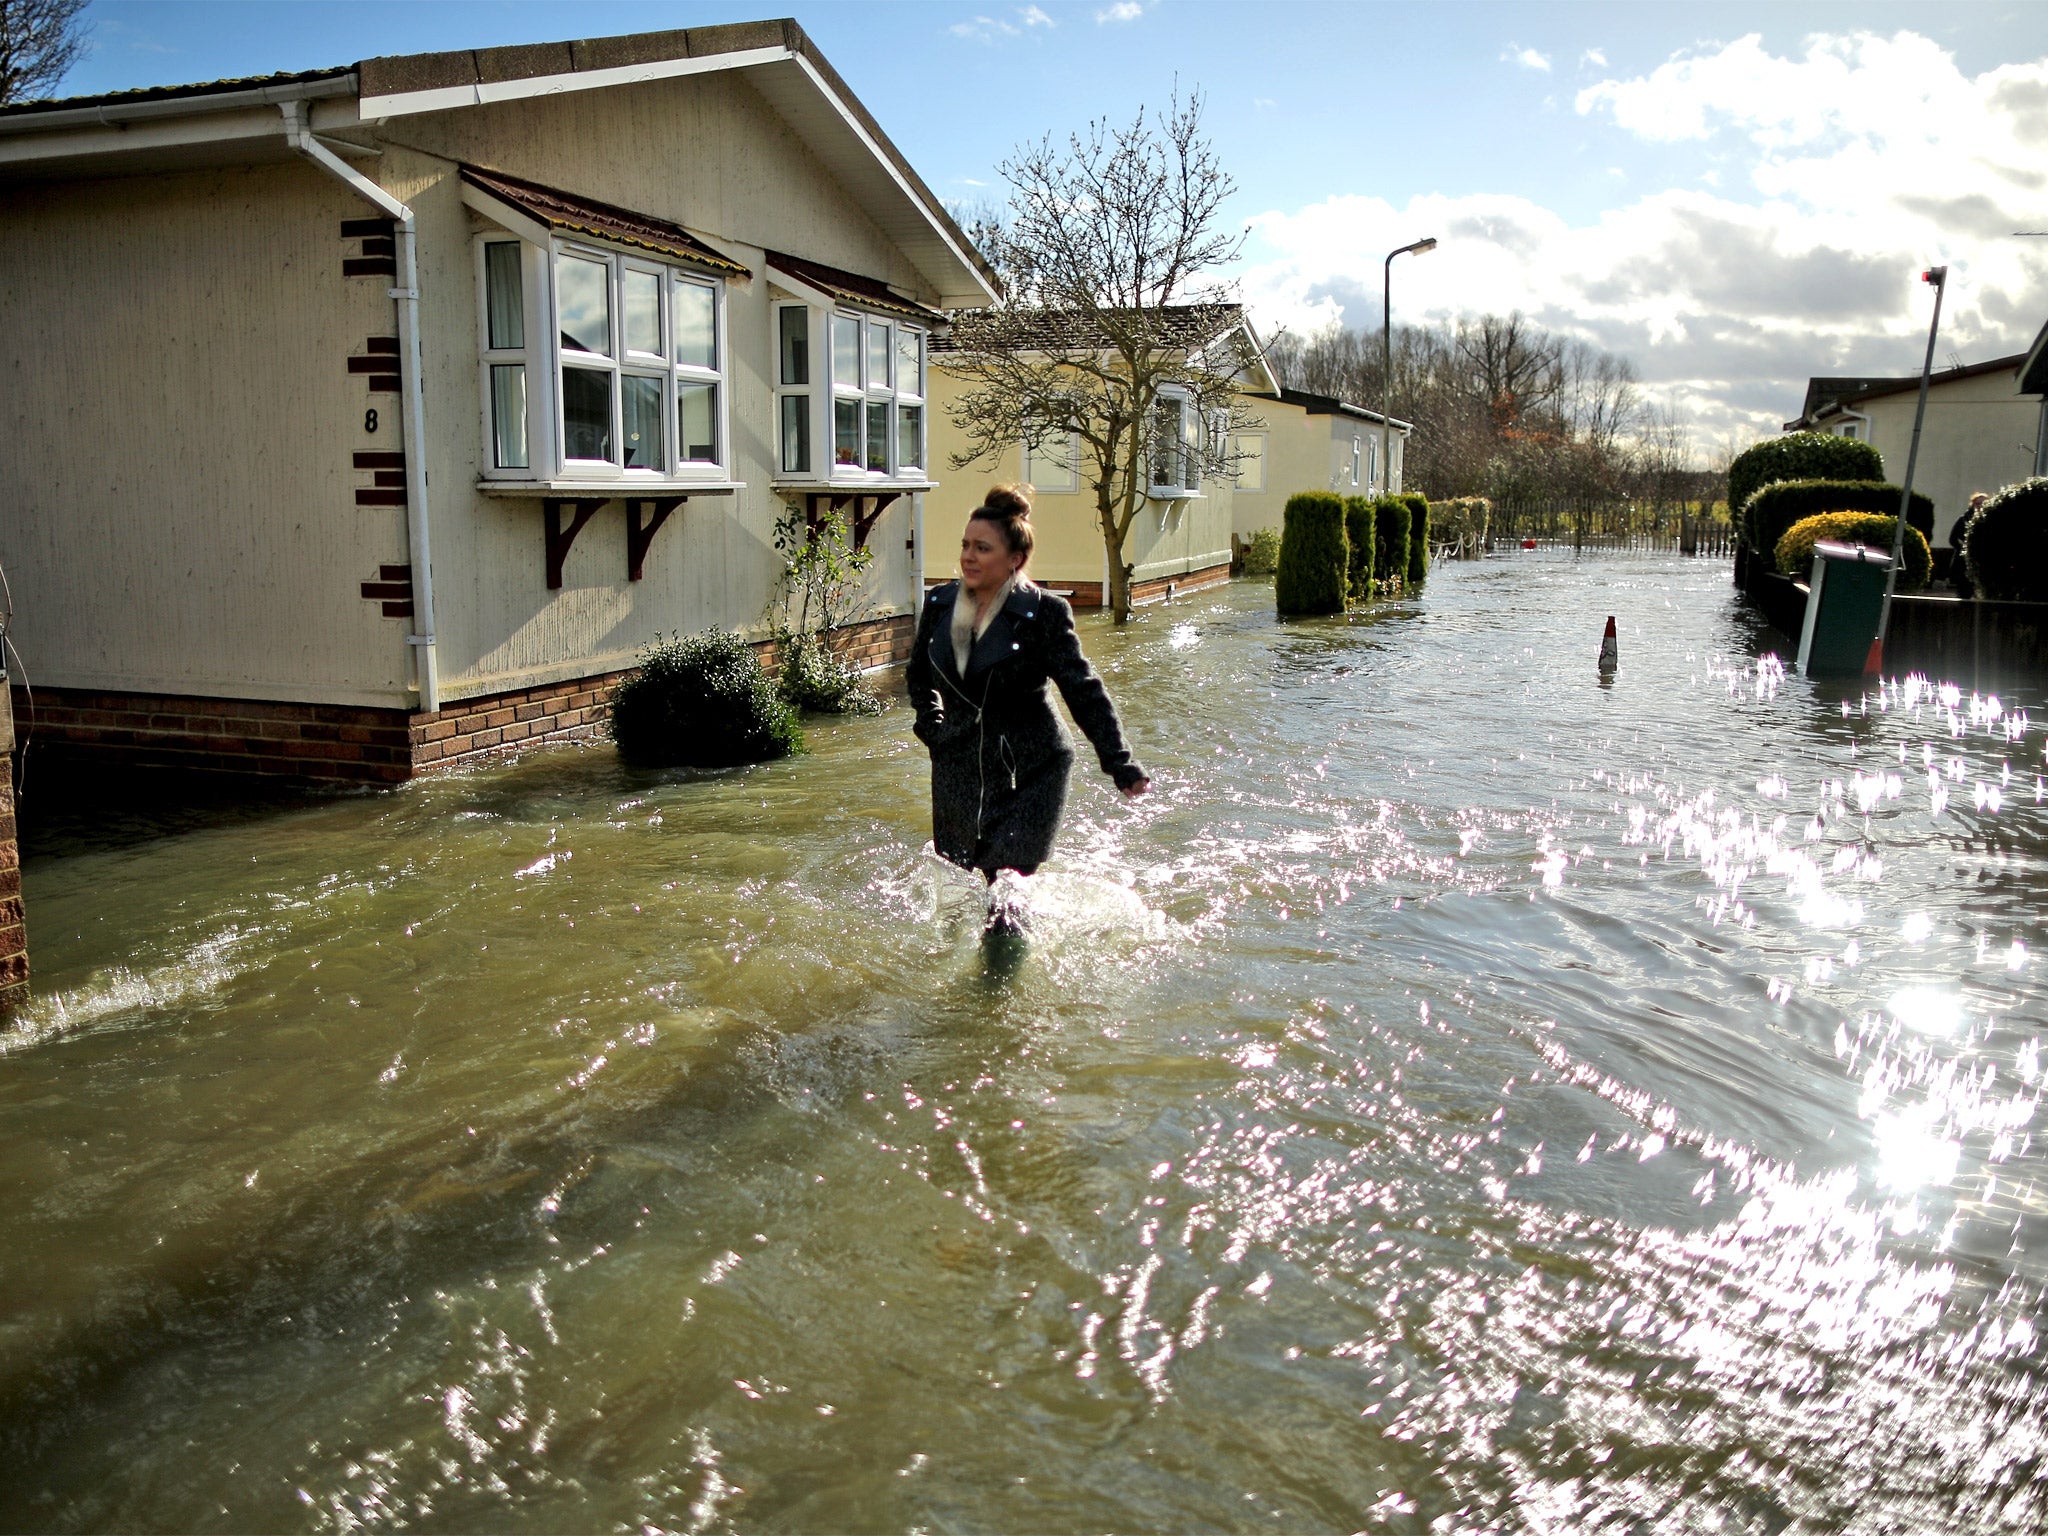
{"x":1055,"y":466}
{"x":885,"y":398}
{"x":544,"y":357}
{"x":1188,"y":483}
{"x":1357,"y":458}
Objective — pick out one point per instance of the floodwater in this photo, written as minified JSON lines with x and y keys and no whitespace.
{"x":1466,"y":1096}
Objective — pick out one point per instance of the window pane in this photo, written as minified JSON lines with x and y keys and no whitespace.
{"x":878,"y":355}
{"x":508,"y":415}
{"x":845,"y":351}
{"x":909,"y":376}
{"x":584,"y":296}
{"x":795,"y":344}
{"x":697,"y":421}
{"x":643,"y":312}
{"x":586,"y":413}
{"x":909,"y":434}
{"x":505,"y":295}
{"x":878,"y":438}
{"x":642,"y":402}
{"x":796,"y":434}
{"x":846,"y":432}
{"x":1166,"y":444}
{"x":696,"y":325}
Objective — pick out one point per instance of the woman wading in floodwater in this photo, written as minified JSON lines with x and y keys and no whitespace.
{"x":986,"y":647}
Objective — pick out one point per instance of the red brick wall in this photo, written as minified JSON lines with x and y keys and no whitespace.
{"x":339,"y":743}
{"x":13,"y":930}
{"x":1089,"y":594}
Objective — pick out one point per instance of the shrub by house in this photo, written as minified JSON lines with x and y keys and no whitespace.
{"x":1800,"y":456}
{"x":1776,"y":507}
{"x":1391,"y":522}
{"x":1794,"y":549}
{"x":1418,"y":537}
{"x":2005,"y":547}
{"x":701,"y":701}
{"x":1359,"y":529}
{"x":1315,"y":555}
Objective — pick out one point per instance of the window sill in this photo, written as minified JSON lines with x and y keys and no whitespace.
{"x":615,"y":489}
{"x":1170,"y":493}
{"x":851,"y":487}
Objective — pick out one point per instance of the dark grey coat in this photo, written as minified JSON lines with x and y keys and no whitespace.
{"x":1000,"y":756}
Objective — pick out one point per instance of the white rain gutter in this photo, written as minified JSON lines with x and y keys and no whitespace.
{"x":299,"y":134}
{"x":114,"y":114}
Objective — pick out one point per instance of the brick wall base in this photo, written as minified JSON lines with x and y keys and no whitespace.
{"x":339,"y":743}
{"x":13,"y":928}
{"x":1156,"y":589}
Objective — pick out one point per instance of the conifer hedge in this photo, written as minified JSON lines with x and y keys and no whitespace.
{"x":1418,"y":537}
{"x":2005,"y":547}
{"x":1358,"y":528}
{"x":1800,"y":456}
{"x":1315,"y":556}
{"x":1392,"y":520}
{"x":1774,"y":508}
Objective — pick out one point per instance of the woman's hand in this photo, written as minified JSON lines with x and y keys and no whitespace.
{"x":1136,"y":788}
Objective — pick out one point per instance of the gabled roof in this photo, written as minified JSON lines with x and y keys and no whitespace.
{"x":582,"y":215}
{"x":235,"y":121}
{"x":852,"y":288}
{"x":1186,"y":326}
{"x":1831,"y":397}
{"x":2034,"y":366}
{"x":1330,"y":405}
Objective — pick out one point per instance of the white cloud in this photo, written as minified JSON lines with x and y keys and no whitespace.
{"x":1032,"y":16}
{"x":1123,"y":10}
{"x":1264,"y":103}
{"x":1594,"y":57}
{"x":988,"y":29}
{"x":1847,"y":169}
{"x":1528,"y":58}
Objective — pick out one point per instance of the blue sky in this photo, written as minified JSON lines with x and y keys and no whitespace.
{"x":1735,"y":195}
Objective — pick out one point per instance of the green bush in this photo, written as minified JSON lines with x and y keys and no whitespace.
{"x":701,"y":701}
{"x":1801,"y":456}
{"x":2005,"y":547}
{"x":1262,"y":555}
{"x":1358,"y":528}
{"x":816,"y":679}
{"x":1463,"y":522}
{"x":1315,"y":557}
{"x":1418,"y":537}
{"x":1391,"y":522}
{"x":1775,"y":507}
{"x":1871,"y":529}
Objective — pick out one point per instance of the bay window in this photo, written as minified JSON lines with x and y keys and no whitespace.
{"x":599,"y":365}
{"x":863,"y":396}
{"x":1174,"y":444}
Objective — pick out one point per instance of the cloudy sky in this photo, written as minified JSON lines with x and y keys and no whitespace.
{"x":1735,"y":196}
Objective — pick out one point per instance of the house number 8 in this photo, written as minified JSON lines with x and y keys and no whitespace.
{"x":370,"y":420}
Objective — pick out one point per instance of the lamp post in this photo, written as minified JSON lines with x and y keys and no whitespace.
{"x":1387,"y":361}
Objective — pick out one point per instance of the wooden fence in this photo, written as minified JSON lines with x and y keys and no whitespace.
{"x":1608,"y":526}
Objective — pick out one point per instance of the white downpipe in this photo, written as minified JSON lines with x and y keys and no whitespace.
{"x":299,"y":133}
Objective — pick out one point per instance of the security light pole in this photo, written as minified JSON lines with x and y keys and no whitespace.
{"x":1937,"y":277}
{"x":1387,"y":361}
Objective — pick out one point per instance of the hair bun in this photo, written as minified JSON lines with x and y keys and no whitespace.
{"x":1009,"y":500}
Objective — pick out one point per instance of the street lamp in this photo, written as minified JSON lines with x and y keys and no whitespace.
{"x":1387,"y":361}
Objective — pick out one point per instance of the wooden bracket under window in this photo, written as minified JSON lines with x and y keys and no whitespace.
{"x":866,"y":507}
{"x":638,"y":537}
{"x":558,"y":538}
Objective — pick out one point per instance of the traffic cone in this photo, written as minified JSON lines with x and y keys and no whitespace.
{"x":1610,"y":648}
{"x":1873,"y":664}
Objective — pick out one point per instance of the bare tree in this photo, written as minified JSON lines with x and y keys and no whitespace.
{"x":1110,"y":333}
{"x":39,"y":42}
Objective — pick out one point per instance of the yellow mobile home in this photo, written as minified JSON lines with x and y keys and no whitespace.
{"x":1313,"y":443}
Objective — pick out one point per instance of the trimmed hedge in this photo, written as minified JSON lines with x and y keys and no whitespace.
{"x":1418,"y":537}
{"x":1801,"y":456}
{"x":1871,"y":529}
{"x":701,"y":701}
{"x":1463,"y":521}
{"x":1315,"y":558}
{"x":2005,"y":547}
{"x":1391,"y":521}
{"x":1775,"y":507}
{"x":1358,"y":528}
